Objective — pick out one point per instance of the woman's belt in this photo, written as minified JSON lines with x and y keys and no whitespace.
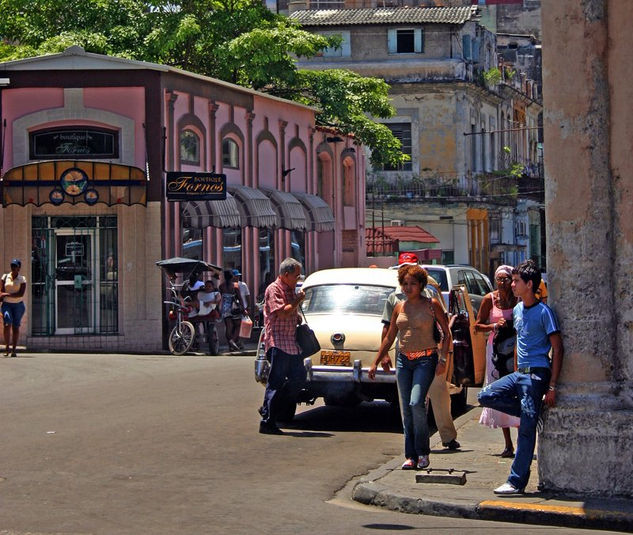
{"x":412,"y":355}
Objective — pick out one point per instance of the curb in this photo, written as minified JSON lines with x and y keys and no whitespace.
{"x":380,"y":488}
{"x":372,"y":493}
{"x":556,"y":515}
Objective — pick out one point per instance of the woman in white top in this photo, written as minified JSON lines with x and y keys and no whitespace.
{"x":12,"y":288}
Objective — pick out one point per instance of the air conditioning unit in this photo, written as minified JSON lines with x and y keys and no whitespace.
{"x":397,"y":223}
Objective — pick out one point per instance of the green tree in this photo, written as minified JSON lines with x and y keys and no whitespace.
{"x":239,"y":41}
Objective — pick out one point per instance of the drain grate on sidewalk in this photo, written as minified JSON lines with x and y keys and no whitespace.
{"x":448,"y":476}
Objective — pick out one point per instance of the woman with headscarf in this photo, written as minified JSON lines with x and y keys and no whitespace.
{"x":496,"y":309}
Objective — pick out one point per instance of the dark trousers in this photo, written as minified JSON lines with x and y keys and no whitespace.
{"x":285,"y":381}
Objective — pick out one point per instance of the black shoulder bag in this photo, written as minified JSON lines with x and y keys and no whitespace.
{"x":306,"y":338}
{"x":503,"y":343}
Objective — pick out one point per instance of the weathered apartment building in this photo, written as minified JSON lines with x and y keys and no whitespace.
{"x":468,"y":122}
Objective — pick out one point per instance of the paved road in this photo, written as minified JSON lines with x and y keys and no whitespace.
{"x":114,"y":444}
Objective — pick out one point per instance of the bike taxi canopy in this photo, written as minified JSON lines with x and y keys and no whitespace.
{"x":188,"y":266}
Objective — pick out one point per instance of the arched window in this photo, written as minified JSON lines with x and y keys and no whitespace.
{"x":230,"y":154}
{"x":189,"y":147}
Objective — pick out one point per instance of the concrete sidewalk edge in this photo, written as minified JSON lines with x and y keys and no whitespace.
{"x":565,"y":511}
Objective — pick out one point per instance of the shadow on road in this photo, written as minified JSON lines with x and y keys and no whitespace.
{"x":376,"y":417}
{"x":306,"y":434}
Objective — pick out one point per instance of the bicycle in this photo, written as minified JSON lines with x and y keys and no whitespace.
{"x":184,"y":335}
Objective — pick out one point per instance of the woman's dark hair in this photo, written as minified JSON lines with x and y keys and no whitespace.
{"x":415,"y":271}
{"x":228,"y":275}
{"x":529,"y":271}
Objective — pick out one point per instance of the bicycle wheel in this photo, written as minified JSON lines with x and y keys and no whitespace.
{"x":181,"y":339}
{"x":212,"y":338}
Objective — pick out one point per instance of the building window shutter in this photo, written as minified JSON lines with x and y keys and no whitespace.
{"x":419,"y":41}
{"x":347,"y":47}
{"x":392,"y":41}
{"x":466,"y":47}
{"x":475,"y":49}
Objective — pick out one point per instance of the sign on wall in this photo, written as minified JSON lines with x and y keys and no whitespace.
{"x":74,"y":142}
{"x":182,"y":186}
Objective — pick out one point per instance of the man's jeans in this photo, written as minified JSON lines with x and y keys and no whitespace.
{"x":519,"y":394}
{"x":414,"y":379}
{"x":285,"y":381}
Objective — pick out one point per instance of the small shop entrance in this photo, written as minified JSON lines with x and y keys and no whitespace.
{"x":75,"y":277}
{"x":74,"y":280}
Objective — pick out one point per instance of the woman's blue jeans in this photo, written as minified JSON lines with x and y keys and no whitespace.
{"x":519,"y":394}
{"x":414,"y":379}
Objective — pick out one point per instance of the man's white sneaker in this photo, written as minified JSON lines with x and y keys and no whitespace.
{"x":508,"y":488}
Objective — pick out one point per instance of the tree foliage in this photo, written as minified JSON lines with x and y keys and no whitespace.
{"x":239,"y":41}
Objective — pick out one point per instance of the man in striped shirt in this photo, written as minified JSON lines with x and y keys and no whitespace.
{"x":281,"y":317}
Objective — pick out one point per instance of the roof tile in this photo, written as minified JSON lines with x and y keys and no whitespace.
{"x":385,"y":15}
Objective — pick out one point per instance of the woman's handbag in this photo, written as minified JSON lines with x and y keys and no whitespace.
{"x":503,"y":344}
{"x":306,"y":339}
{"x":236,"y":307}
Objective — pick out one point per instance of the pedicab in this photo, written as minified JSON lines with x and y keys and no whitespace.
{"x":181,"y":312}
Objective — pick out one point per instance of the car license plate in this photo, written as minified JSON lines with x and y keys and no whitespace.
{"x":335,"y":358}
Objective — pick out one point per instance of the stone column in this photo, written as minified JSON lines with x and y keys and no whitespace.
{"x":587,"y":68}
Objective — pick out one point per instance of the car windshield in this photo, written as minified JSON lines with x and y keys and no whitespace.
{"x":440,"y":276}
{"x":346,"y":299}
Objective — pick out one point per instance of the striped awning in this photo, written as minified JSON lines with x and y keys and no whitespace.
{"x":319,"y":213}
{"x":203,"y":214}
{"x":288,"y":208}
{"x":255,"y":208}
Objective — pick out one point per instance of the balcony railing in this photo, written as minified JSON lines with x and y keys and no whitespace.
{"x":495,"y":188}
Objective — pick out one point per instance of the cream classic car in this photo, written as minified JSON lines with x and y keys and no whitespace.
{"x":344,"y":308}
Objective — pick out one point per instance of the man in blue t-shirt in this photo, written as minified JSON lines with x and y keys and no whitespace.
{"x":521,"y":393}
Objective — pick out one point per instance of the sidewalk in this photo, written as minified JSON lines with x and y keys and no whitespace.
{"x":484,"y":470}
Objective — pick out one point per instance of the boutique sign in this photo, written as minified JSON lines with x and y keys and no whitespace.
{"x":183,"y":186}
{"x":64,"y":143}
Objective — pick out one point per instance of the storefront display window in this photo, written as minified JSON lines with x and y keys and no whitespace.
{"x":267,"y":268}
{"x":298,"y":246}
{"x":192,"y":243}
{"x":232,"y":248}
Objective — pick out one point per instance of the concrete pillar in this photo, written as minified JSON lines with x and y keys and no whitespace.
{"x":588,"y":121}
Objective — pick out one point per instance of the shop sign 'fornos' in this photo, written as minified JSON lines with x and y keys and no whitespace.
{"x":183,"y":186}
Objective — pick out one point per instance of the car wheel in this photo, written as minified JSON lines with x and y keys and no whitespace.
{"x":459,"y":402}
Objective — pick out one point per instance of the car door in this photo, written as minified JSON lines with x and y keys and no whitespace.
{"x":469,"y":346}
{"x":476,"y":291}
